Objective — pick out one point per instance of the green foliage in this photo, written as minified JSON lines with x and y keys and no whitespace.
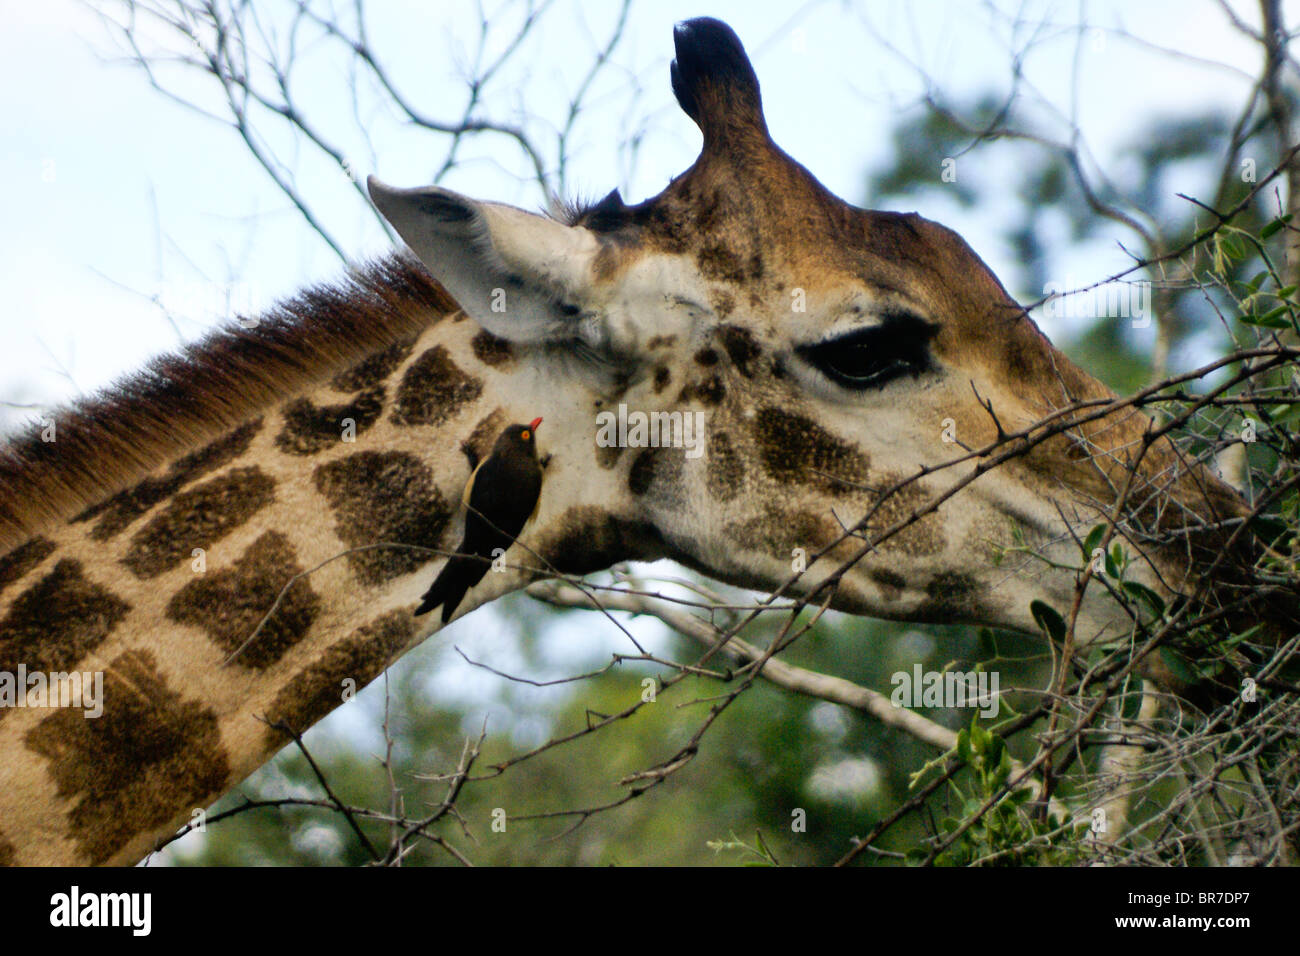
{"x":757,"y":854}
{"x":995,"y":826}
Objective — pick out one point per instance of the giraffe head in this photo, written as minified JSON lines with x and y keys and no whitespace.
{"x":809,"y":356}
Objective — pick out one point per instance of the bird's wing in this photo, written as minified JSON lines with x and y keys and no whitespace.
{"x":504,"y":494}
{"x":469,"y":485}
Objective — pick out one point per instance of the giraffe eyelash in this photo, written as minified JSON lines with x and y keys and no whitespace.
{"x":874,"y":356}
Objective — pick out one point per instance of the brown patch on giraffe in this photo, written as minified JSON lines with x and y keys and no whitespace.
{"x":484,"y":435}
{"x":726,"y":473}
{"x":310,"y":429}
{"x":724,"y":303}
{"x":663,"y":378}
{"x":778,"y":532}
{"x":741,"y":347}
{"x":587,"y":539}
{"x":642,"y":473}
{"x":384,"y":497}
{"x":198,"y":518}
{"x":129,"y":770}
{"x":373,"y":369}
{"x":22,"y":559}
{"x":891,"y":583}
{"x":796,"y":450}
{"x":57,"y":621}
{"x":605,"y":265}
{"x":707,"y":391}
{"x":706,"y":357}
{"x":231,"y":603}
{"x":950,"y":596}
{"x":7,"y":851}
{"x":361,"y":657}
{"x":491,"y":350}
{"x":433,"y":389}
{"x":117,"y":512}
{"x":607,"y":456}
{"x":654,"y":465}
{"x":716,"y":261}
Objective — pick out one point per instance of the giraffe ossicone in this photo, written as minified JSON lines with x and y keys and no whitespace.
{"x":829,"y":351}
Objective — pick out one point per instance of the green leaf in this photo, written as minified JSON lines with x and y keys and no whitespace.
{"x":1272,"y":319}
{"x":1154,"y":603}
{"x":1093,"y":541}
{"x":1219,"y":264}
{"x":1235,"y":639}
{"x":1211,"y":668}
{"x":1003,"y":772}
{"x":997,"y":747}
{"x":1130,"y":702}
{"x":963,"y":746}
{"x":1048,"y":620}
{"x":1178,"y":665}
{"x":1282,"y":414}
{"x":1273,"y":228}
{"x":1114,"y":562}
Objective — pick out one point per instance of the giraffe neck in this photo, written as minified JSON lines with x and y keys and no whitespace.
{"x":321,"y":501}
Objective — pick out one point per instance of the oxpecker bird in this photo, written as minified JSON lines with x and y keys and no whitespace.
{"x":501,"y":496}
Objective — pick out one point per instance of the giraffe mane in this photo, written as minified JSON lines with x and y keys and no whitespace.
{"x":180,"y":399}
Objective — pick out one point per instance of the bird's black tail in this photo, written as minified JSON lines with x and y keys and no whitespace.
{"x":450,"y":586}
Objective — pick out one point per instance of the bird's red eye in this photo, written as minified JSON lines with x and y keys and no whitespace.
{"x":525,"y":434}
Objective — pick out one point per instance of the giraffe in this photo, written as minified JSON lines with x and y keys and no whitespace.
{"x":246,"y":527}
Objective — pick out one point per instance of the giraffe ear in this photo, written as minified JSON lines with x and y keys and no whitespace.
{"x":518,"y":274}
{"x":716,"y":86}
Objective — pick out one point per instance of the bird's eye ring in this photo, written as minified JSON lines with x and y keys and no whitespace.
{"x":525,"y":434}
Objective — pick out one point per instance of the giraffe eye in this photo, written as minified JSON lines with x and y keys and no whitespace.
{"x":869,"y":358}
